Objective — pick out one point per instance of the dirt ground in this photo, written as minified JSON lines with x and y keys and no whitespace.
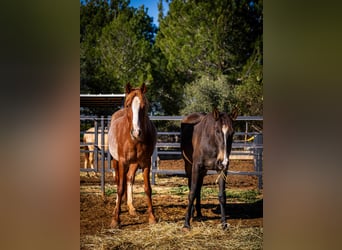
{"x":169,"y":200}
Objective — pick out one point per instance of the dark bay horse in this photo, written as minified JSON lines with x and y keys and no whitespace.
{"x":206,"y":144}
{"x":132,"y":138}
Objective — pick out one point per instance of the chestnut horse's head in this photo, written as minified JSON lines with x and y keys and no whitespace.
{"x":136,"y":107}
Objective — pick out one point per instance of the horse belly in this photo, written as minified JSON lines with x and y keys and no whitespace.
{"x":113,"y":145}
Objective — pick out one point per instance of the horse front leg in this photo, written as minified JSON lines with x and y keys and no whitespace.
{"x":222,"y":200}
{"x":191,"y":196}
{"x":115,"y":170}
{"x":130,"y":181}
{"x":148,"y":192}
{"x":121,"y":183}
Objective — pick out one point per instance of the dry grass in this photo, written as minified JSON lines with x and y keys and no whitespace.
{"x":165,"y":235}
{"x":170,"y":199}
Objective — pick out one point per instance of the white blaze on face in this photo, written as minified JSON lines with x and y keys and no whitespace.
{"x":225,"y":157}
{"x":135,"y":120}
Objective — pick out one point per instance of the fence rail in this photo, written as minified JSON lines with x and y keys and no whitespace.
{"x":244,"y":148}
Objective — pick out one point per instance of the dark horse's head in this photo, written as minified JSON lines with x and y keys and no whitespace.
{"x":223,"y":130}
{"x":136,"y":106}
{"x":215,"y":134}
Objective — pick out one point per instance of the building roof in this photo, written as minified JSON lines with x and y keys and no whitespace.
{"x":101,"y":100}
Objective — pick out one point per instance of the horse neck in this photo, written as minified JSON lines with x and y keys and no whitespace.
{"x":207,"y":123}
{"x":145,"y":123}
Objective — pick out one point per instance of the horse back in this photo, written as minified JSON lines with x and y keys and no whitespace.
{"x":187,"y":128}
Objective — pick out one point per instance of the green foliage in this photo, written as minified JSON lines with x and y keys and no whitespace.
{"x":207,"y":36}
{"x":167,"y":88}
{"x":207,"y":93}
{"x":210,"y":45}
{"x":110,"y":191}
{"x":125,"y":48}
{"x":212,"y":192}
{"x":94,"y":15}
{"x":204,"y":54}
{"x":243,"y":196}
{"x":116,"y":46}
{"x":249,"y":94}
{"x":181,"y":190}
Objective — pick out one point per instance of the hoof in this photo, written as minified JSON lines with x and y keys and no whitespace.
{"x":198,"y":218}
{"x":225,"y":226}
{"x":115,"y":225}
{"x":152,"y":220}
{"x":132,"y":212}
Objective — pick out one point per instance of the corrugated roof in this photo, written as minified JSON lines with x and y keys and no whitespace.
{"x":102,"y":100}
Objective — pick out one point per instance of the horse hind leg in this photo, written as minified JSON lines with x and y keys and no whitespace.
{"x":91,"y":160}
{"x":86,"y":158}
{"x":120,"y":191}
{"x":198,"y":197}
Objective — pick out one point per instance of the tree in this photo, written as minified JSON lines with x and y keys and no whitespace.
{"x":209,"y":37}
{"x":167,"y":90}
{"x":211,"y":42}
{"x":205,"y":53}
{"x":94,"y":15}
{"x":249,"y":94}
{"x":125,"y":48}
{"x":207,"y":93}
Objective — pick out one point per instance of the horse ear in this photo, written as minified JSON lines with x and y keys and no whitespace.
{"x":234,"y":113}
{"x":143,"y":88}
{"x":216,"y":114}
{"x":128,"y":88}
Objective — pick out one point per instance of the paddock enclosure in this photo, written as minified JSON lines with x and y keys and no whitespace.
{"x":247,"y":145}
{"x":244,"y":209}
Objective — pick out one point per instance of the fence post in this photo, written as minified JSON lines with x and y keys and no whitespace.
{"x":95,"y":145}
{"x":109,"y":157}
{"x":154,"y":164}
{"x":258,"y":142}
{"x":102,"y":157}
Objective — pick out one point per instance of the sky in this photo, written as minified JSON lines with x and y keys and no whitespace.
{"x":152,"y":6}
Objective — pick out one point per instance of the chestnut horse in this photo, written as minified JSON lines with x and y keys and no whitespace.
{"x":132,"y":138}
{"x":89,"y":138}
{"x":206,"y":144}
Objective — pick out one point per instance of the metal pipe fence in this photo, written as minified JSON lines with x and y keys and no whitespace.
{"x":242,"y":148}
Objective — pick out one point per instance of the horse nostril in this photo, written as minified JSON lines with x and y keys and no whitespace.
{"x":136,"y":133}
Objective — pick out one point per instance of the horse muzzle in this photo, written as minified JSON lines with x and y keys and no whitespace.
{"x":135,"y":133}
{"x":222,"y":165}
